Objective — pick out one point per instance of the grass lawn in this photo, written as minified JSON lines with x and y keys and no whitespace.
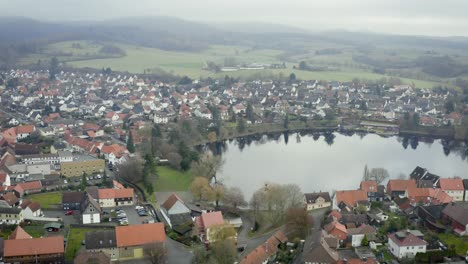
{"x":75,"y":237}
{"x":172,"y":180}
{"x":47,"y":200}
{"x":35,"y":230}
{"x":461,"y":243}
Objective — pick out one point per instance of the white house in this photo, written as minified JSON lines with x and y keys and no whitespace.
{"x":453,"y":187}
{"x":405,"y":244}
{"x":358,"y":234}
{"x":90,"y":211}
{"x":319,"y":200}
{"x":160,"y":118}
{"x":5,"y":179}
{"x":173,"y":206}
{"x":13,"y":122}
{"x":30,"y":209}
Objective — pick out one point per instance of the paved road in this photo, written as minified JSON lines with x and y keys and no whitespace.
{"x":313,"y":238}
{"x":178,"y":253}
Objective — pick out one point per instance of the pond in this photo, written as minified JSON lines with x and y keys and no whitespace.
{"x":332,"y":161}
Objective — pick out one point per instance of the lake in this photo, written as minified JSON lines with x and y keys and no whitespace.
{"x":335,"y":162}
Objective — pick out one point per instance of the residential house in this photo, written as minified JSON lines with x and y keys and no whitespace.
{"x":24,"y":131}
{"x":115,"y":197}
{"x":174,"y":209}
{"x":405,"y":244}
{"x":324,"y":253}
{"x":72,"y":200}
{"x":397,"y":188}
{"x":423,"y":178}
{"x":11,"y":199}
{"x":453,"y":187}
{"x":28,"y":188}
{"x":19,"y":233}
{"x":317,"y":200}
{"x":465,"y":191}
{"x":356,"y":235}
{"x":34,"y":250}
{"x":427,"y":196}
{"x":30,"y":209}
{"x":10,"y":216}
{"x":5,"y":179}
{"x":350,"y":199}
{"x":133,"y":239}
{"x":430,"y":215}
{"x":457,"y":217}
{"x":102,"y":241}
{"x":85,"y":257}
{"x":266,"y":252}
{"x":337,"y":230}
{"x":372,"y":190}
{"x":207,"y":225}
{"x":90,"y":211}
{"x":82,"y":164}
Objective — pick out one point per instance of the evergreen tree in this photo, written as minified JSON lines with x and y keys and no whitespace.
{"x":130,"y":145}
{"x":250,"y":113}
{"x":286,"y":122}
{"x":240,"y":124}
{"x":53,"y":68}
{"x":84,"y":182}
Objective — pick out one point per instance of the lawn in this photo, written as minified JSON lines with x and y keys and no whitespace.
{"x":172,"y":180}
{"x":35,"y":230}
{"x":461,"y":243}
{"x":75,"y":237}
{"x":47,"y":200}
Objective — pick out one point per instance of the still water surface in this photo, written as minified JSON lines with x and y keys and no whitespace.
{"x":317,"y":165}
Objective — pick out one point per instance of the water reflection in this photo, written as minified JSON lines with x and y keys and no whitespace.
{"x":336,"y":162}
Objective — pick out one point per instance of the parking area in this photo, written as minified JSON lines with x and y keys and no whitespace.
{"x":132,"y":215}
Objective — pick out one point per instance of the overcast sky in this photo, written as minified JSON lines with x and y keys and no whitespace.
{"x":422,"y":17}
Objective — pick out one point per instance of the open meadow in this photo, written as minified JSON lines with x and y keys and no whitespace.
{"x":139,"y":59}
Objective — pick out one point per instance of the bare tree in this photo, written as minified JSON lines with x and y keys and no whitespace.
{"x":295,"y":197}
{"x":379,"y":175}
{"x":234,"y":197}
{"x":402,"y":176}
{"x":218,"y":193}
{"x":174,"y":159}
{"x":156,"y":253}
{"x":298,"y":222}
{"x":130,"y":171}
{"x":207,"y":166}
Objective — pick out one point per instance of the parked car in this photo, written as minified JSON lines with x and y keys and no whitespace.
{"x":65,"y":181}
{"x":138,"y":207}
{"x":69,"y":212}
{"x":143,"y":213}
{"x":99,"y":176}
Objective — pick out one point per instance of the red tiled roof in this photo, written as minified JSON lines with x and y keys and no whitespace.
{"x":34,"y":246}
{"x":10,"y":198}
{"x":265,"y":250}
{"x":33,"y":185}
{"x":115,"y":193}
{"x":207,"y":220}
{"x":400,"y":185}
{"x":26,"y":129}
{"x":428,"y":195}
{"x":369,"y":186}
{"x":350,"y":198}
{"x":451,"y":184}
{"x":408,"y":241}
{"x":136,"y":235}
{"x":171,"y":201}
{"x":19,"y":233}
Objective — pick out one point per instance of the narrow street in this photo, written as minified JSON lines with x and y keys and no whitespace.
{"x":313,"y":238}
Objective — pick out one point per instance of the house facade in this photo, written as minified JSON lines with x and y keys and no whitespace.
{"x":102,"y":241}
{"x":72,"y":200}
{"x":173,"y":206}
{"x":116,"y":197}
{"x":90,"y":211}
{"x":453,"y":187}
{"x":319,"y":200}
{"x":11,"y":216}
{"x":405,"y":244}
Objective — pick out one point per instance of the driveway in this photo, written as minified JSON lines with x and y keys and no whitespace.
{"x":313,"y":238}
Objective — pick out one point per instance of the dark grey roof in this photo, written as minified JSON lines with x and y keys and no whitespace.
{"x":419,"y":174}
{"x":318,"y":255}
{"x":9,"y":210}
{"x":311,"y":197}
{"x":457,"y":213}
{"x":357,"y":219}
{"x":465,"y":183}
{"x":100,"y":239}
{"x":72,"y":197}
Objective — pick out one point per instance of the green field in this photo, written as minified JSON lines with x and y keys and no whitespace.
{"x":141,"y":59}
{"x":460,"y":243}
{"x":172,"y":180}
{"x":47,"y":200}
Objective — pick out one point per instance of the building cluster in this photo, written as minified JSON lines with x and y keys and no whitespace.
{"x":75,"y":97}
{"x":425,"y":200}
